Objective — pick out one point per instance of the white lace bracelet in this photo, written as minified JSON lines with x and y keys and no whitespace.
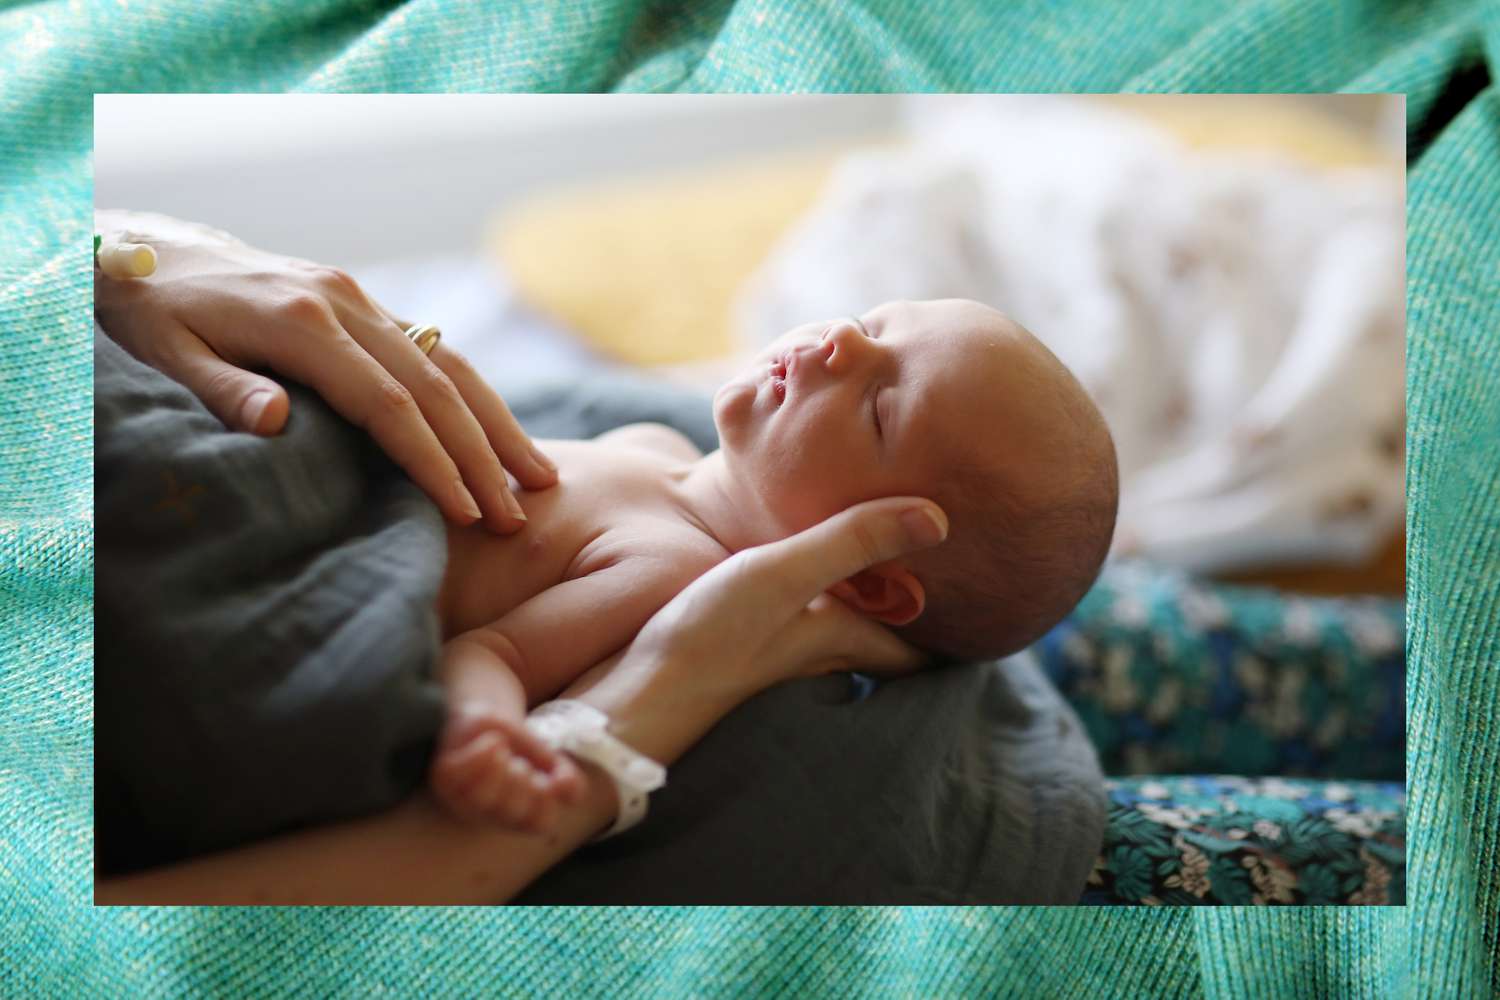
{"x":583,"y":731}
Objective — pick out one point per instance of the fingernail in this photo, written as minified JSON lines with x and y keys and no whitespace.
{"x":542,"y":460}
{"x":465,"y":499}
{"x":925,"y":525}
{"x":254,"y":405}
{"x":513,"y":505}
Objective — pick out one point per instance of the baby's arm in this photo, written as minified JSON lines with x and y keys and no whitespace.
{"x":487,"y":763}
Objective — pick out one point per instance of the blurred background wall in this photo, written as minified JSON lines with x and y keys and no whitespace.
{"x":355,"y":179}
{"x":358,"y":179}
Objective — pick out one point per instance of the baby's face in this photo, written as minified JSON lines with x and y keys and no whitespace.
{"x":880,"y":405}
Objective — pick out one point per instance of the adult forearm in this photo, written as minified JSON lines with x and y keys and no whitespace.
{"x":416,"y":853}
{"x":654,"y":708}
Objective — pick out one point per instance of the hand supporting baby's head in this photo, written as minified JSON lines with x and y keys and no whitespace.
{"x":956,"y":402}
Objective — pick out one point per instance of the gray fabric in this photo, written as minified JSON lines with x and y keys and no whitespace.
{"x":587,"y":407}
{"x":968,"y":784}
{"x":264,"y":622}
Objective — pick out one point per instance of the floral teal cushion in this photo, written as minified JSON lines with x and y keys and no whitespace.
{"x":1173,"y":674}
{"x":1264,"y":841}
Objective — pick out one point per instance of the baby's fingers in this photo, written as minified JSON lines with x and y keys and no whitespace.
{"x":519,"y":801}
{"x":459,"y":773}
{"x":544,"y":805}
{"x":541,"y":756}
{"x":461,"y":766}
{"x":568,"y":781}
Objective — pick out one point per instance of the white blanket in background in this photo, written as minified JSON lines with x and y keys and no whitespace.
{"x":1239,"y":319}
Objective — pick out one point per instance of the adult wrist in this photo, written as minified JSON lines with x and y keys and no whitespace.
{"x":136,"y":226}
{"x":582,"y":731}
{"x":124,"y":224}
{"x":656,"y":707}
{"x":602,"y":795}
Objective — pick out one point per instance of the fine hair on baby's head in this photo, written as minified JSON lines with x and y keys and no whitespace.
{"x":1024,"y":545}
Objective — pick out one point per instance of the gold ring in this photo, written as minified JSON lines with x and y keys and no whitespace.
{"x":424,"y":335}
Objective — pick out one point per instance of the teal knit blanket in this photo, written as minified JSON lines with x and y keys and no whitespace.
{"x":1441,"y":53}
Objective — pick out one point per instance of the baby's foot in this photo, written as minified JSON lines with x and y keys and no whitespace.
{"x":493,"y":768}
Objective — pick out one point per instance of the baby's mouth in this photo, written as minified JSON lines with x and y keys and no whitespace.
{"x":778,"y":379}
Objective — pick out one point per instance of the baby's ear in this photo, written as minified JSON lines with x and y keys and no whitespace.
{"x":886,"y":592}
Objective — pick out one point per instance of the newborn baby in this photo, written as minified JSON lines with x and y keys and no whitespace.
{"x":948,"y":400}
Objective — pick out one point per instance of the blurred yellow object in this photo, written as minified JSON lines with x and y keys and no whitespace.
{"x":645,"y":271}
{"x":1292,"y":125}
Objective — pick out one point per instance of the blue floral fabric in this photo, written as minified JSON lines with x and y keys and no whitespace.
{"x":1173,"y":674}
{"x":1238,"y":841}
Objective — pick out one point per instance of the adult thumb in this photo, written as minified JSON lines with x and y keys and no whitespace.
{"x":243,"y":400}
{"x":867,"y":533}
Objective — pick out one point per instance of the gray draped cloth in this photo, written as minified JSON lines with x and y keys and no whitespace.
{"x":264,"y":643}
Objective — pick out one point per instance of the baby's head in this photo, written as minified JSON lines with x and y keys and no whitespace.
{"x":948,"y":400}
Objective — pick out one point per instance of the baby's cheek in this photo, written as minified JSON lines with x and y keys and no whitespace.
{"x":804,"y":506}
{"x":805,"y":482}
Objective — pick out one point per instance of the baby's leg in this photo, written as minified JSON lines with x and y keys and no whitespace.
{"x":488,"y":764}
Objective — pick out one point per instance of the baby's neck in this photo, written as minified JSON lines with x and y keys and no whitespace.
{"x":708,"y":496}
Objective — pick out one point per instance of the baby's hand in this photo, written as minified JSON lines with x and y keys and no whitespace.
{"x":489,"y":767}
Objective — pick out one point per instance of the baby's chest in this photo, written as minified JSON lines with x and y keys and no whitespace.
{"x":596,"y":515}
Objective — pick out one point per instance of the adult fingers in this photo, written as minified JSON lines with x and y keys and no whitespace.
{"x":830,"y":637}
{"x":509,"y":440}
{"x":243,"y":400}
{"x":506,"y":436}
{"x":363,"y":392}
{"x":804,"y":565}
{"x":459,"y":437}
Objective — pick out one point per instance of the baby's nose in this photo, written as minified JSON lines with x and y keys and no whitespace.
{"x":843,"y":344}
{"x":844,"y":326}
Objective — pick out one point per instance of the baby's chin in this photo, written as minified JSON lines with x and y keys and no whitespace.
{"x":731,"y":404}
{"x":734,"y":401}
